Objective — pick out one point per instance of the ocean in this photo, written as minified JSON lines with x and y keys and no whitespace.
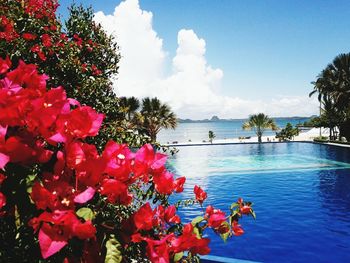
{"x":197,"y":132}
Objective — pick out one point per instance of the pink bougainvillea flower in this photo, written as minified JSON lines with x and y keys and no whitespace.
{"x":57,"y":228}
{"x":41,"y":197}
{"x":46,"y":40}
{"x":188,"y":241}
{"x":237,"y":229}
{"x":143,"y":218}
{"x":85,"y":196}
{"x":215,"y":217}
{"x":200,"y":194}
{"x":26,"y":75}
{"x":4,"y":159}
{"x":48,"y":246}
{"x":147,"y":162}
{"x":170,"y":215}
{"x":75,"y":154}
{"x":2,"y":200}
{"x":28,"y":36}
{"x":5,"y":65}
{"x":7,"y":30}
{"x":164,"y":182}
{"x":245,"y":209}
{"x":118,"y":158}
{"x":116,"y":191}
{"x":83,"y":122}
{"x":179,"y":184}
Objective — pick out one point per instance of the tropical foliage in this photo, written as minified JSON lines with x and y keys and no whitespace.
{"x":61,"y":197}
{"x":259,"y":123}
{"x":156,"y":116}
{"x":67,"y":192}
{"x":333,"y":89}
{"x":211,"y":136}
{"x":287,"y":133}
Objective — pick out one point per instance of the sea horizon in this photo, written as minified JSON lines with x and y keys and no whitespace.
{"x":197,"y":131}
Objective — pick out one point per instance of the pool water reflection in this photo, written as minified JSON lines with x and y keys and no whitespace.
{"x":300,"y":191}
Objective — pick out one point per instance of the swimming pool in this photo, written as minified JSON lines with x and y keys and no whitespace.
{"x":300,"y":191}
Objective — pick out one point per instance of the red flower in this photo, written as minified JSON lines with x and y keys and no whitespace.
{"x":42,"y":197}
{"x":116,"y":192}
{"x":5,"y":65}
{"x":26,"y":75}
{"x":57,"y":228}
{"x":148,"y":162}
{"x":215,"y":217}
{"x":188,"y":241}
{"x":28,"y":36}
{"x":118,"y":158}
{"x":83,"y":122}
{"x":143,"y":218}
{"x":7,"y":30}
{"x":2,"y":200}
{"x":245,"y":209}
{"x":164,"y":182}
{"x":200,"y":194}
{"x":237,"y":229}
{"x":170,"y":215}
{"x":179,"y":184}
{"x":46,"y":40}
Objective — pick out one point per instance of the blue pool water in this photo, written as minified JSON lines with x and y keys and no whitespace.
{"x":300,"y":191}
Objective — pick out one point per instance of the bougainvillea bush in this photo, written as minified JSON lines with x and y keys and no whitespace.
{"x":64,"y":196}
{"x":61,"y":197}
{"x":77,"y":54}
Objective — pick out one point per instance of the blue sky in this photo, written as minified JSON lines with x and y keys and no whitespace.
{"x":267,"y":50}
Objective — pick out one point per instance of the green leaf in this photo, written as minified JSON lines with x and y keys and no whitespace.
{"x":113,"y":254}
{"x":196,"y":232}
{"x":252,"y":213}
{"x":225,"y":235}
{"x":233,"y":205}
{"x":86,"y":213}
{"x":178,"y":256}
{"x":197,"y":220}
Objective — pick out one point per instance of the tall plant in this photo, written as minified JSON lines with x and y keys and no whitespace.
{"x":156,"y":116}
{"x":333,"y":89}
{"x":62,"y":201}
{"x":259,"y":123}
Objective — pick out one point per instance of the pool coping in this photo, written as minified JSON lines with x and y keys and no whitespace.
{"x":233,"y":143}
{"x":240,"y":143}
{"x":217,"y":259}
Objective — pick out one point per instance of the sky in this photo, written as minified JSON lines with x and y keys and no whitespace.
{"x":228,"y":58}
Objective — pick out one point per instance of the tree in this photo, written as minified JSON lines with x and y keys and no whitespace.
{"x":211,"y":136}
{"x":288,"y":132}
{"x":156,"y":116}
{"x":259,"y":123}
{"x":333,"y":88}
{"x":63,"y":201}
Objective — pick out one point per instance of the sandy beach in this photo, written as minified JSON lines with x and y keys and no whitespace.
{"x":303,"y":136}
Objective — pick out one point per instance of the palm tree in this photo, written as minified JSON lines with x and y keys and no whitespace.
{"x":211,"y":136}
{"x":333,"y":88}
{"x":129,"y":106}
{"x":259,"y":123}
{"x":156,"y":116}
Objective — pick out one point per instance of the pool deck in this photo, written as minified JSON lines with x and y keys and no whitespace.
{"x":215,"y":259}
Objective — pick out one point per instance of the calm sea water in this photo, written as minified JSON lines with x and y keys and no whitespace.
{"x":197,"y":132}
{"x":300,"y":191}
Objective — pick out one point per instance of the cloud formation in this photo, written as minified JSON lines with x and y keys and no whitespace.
{"x":192,"y":88}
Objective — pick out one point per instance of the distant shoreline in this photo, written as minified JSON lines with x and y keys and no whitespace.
{"x":216,"y":119}
{"x":306,"y":136}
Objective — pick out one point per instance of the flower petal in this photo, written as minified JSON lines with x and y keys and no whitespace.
{"x":48,"y":246}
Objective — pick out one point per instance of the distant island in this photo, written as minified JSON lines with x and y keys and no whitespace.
{"x":217,"y":119}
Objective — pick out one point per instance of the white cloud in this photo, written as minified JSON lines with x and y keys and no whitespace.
{"x":193,"y":87}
